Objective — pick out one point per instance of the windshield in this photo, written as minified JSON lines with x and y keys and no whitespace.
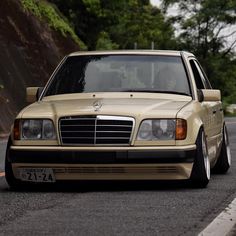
{"x":120,"y":73}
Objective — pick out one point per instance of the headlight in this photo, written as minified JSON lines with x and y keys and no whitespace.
{"x":162,"y":129}
{"x":34,"y":130}
{"x":48,"y":130}
{"x":145,"y":130}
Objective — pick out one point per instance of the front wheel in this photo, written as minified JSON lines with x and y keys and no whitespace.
{"x":10,"y":178}
{"x":224,"y":160}
{"x":201,"y":171}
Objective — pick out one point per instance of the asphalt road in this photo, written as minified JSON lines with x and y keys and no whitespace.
{"x":117,"y":209}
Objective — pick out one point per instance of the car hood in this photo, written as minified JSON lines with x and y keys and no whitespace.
{"x":125,"y":104}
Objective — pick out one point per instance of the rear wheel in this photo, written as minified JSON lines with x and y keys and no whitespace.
{"x":200,"y":175}
{"x":224,"y":161}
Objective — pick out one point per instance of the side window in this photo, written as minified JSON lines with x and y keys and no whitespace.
{"x":201,"y":80}
{"x":203,"y":76}
{"x":197,"y":76}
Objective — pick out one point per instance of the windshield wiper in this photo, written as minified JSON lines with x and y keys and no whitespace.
{"x":154,"y":91}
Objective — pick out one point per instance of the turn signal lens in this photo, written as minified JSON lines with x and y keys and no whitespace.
{"x":181,"y":129}
{"x":16,"y":130}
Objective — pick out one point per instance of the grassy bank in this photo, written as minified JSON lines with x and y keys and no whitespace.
{"x":49,"y":13}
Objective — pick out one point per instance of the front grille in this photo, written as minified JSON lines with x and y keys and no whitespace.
{"x":96,"y":130}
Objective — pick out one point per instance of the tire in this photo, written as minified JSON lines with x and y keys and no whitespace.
{"x":224,"y":160}
{"x":201,"y":172}
{"x":10,"y":178}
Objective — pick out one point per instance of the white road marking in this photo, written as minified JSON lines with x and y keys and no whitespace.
{"x":223,"y":223}
{"x":230,"y":122}
{"x":2,"y":174}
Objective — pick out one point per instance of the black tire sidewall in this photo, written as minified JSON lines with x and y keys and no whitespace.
{"x":222,"y":165}
{"x":10,"y":178}
{"x":199,"y":176}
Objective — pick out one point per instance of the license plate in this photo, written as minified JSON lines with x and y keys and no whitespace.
{"x":40,"y":175}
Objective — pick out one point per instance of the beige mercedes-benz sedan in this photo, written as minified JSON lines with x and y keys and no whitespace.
{"x":120,"y":115}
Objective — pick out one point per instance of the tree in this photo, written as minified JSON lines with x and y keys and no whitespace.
{"x":117,"y":24}
{"x":90,"y":17}
{"x":202,"y":25}
{"x":142,"y":24}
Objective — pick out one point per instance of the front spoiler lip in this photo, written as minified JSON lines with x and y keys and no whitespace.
{"x":110,"y":172}
{"x":132,"y":148}
{"x":72,"y":155}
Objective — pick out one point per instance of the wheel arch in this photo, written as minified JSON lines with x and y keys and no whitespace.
{"x":193,"y":127}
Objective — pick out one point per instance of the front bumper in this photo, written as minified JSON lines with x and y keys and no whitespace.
{"x":99,"y":163}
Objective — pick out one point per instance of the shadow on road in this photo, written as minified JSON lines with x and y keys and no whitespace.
{"x":105,"y":186}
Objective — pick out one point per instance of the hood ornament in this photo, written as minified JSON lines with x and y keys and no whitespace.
{"x":97,"y":105}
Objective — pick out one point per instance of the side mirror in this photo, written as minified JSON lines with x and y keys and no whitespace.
{"x":211,"y":95}
{"x":33,"y":94}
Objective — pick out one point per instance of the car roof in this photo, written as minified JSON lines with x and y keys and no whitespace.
{"x":132,"y":52}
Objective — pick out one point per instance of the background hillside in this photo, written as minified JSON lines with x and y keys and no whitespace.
{"x":30,"y":50}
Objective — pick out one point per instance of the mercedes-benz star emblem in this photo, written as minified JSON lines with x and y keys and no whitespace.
{"x":97,"y":105}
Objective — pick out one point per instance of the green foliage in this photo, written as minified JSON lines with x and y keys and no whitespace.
{"x":141,"y":25}
{"x":202,"y":24}
{"x":105,"y":25}
{"x":125,"y":22}
{"x":87,"y":18}
{"x":104,"y":42}
{"x":45,"y":11}
{"x":32,"y":6}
